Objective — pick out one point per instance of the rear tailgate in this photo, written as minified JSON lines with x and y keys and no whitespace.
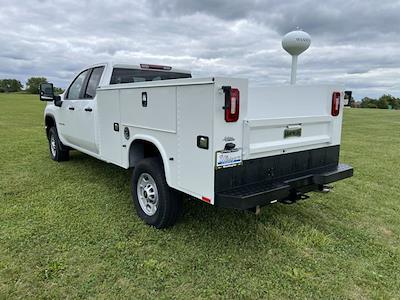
{"x":290,"y":119}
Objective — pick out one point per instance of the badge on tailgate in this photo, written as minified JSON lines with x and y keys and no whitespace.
{"x":228,"y":158}
{"x":292,"y":131}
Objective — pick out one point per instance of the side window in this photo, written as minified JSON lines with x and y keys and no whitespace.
{"x":93,"y":83}
{"x":75,"y":88}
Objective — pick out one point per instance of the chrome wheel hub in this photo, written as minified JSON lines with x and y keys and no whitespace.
{"x":147,"y":194}
{"x":53,"y":146}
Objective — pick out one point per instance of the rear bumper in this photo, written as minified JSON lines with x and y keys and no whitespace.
{"x":262,"y":193}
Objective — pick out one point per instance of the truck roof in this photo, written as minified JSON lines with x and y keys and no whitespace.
{"x":143,"y":66}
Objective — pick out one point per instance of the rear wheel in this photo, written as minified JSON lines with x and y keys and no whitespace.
{"x":155,"y":202}
{"x":58,"y":152}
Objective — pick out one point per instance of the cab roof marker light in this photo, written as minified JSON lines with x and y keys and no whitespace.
{"x":155,"y":67}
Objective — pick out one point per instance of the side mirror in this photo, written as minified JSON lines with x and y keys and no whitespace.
{"x":46,"y":92}
{"x":57,"y":101}
{"x":347,"y":98}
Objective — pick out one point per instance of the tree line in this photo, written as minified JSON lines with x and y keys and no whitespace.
{"x":31,"y":86}
{"x":383,"y":102}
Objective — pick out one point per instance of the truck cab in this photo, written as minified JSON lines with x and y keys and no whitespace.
{"x":75,"y":111}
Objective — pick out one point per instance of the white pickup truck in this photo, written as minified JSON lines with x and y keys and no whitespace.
{"x":214,"y":139}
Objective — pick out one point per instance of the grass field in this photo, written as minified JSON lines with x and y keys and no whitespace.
{"x":68,"y":230}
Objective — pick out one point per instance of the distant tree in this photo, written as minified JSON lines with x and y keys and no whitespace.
{"x":10,"y":85}
{"x":392,"y":101}
{"x":396,"y":103}
{"x":32,"y":85}
{"x":368,"y":103}
{"x":383,"y":101}
{"x":58,"y":91}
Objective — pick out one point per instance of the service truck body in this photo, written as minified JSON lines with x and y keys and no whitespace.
{"x":219,"y":140}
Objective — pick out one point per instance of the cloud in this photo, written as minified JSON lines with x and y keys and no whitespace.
{"x":354,"y":42}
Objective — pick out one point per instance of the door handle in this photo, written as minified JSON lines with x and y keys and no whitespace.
{"x":144,"y":99}
{"x":71,"y":108}
{"x":88,"y":109}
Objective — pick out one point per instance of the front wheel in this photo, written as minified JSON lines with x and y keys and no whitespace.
{"x":155,"y":202}
{"x":58,"y":151}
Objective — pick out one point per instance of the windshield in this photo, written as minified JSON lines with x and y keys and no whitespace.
{"x":122,"y":75}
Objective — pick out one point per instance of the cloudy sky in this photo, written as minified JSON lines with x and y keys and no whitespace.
{"x":356,"y":43}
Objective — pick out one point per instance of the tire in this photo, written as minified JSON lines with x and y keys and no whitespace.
{"x":58,"y":152}
{"x":155,"y":202}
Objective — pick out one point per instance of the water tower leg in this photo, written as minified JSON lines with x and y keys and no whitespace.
{"x":294,"y":70}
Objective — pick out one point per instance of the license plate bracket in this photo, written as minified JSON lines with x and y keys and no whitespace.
{"x":292,"y":131}
{"x":228,"y":158}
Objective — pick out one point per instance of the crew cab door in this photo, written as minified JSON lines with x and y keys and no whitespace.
{"x":67,"y":127}
{"x":80,"y":110}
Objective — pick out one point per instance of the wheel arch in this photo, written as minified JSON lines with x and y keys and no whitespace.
{"x":49,"y":121}
{"x":143,"y":146}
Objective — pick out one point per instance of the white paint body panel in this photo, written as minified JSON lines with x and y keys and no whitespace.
{"x":110,"y":140}
{"x":272,"y":109}
{"x":195,"y":168}
{"x":160,"y":113}
{"x":180,"y":110}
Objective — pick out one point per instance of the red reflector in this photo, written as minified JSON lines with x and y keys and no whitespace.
{"x":205,"y":199}
{"x":155,"y":67}
{"x":335,"y":104}
{"x":232,"y":105}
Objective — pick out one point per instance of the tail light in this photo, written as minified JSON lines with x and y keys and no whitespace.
{"x":335,"y":104}
{"x":232,"y":103}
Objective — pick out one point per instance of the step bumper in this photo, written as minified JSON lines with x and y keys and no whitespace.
{"x":264,"y":193}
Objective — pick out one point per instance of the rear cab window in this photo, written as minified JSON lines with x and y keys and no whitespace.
{"x":126,"y":75}
{"x":93,"y":83}
{"x":85,"y":84}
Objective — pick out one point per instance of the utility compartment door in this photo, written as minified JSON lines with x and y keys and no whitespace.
{"x":290,"y":119}
{"x":151,"y":108}
{"x":107,"y":114}
{"x":195,"y":119}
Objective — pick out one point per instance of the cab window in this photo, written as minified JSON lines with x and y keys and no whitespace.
{"x":77,"y":86}
{"x":93,"y":83}
{"x":122,"y":75}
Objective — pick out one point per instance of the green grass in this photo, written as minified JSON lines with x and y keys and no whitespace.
{"x":68,"y":230}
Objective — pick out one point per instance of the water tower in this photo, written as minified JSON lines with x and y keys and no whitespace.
{"x":295,"y":43}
